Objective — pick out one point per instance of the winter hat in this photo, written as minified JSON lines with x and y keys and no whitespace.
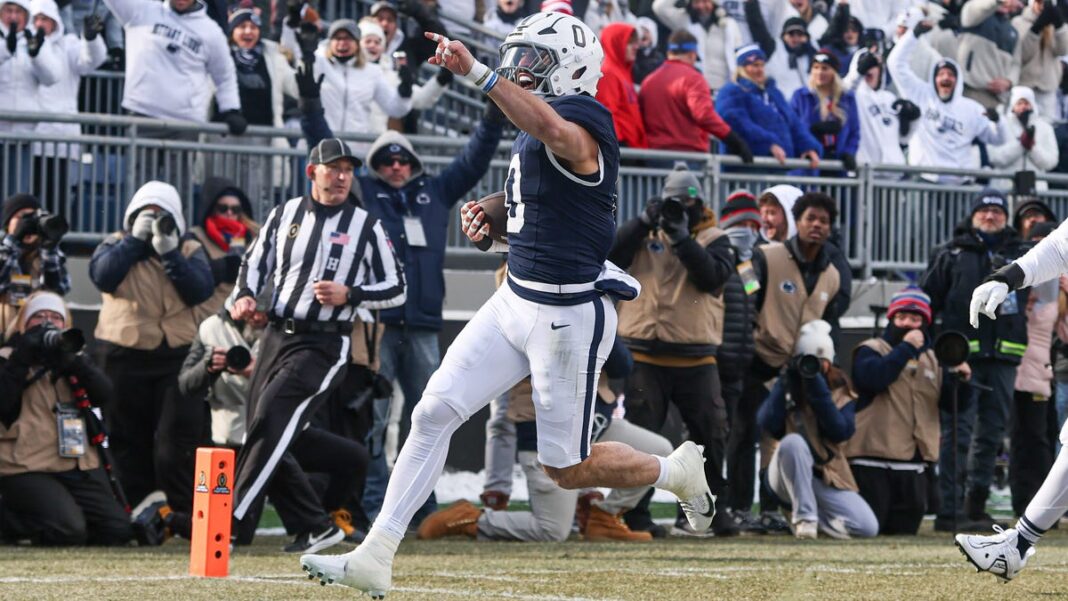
{"x":242,"y":16}
{"x":794,"y":24}
{"x":825,"y":57}
{"x":912,"y":300}
{"x":160,"y":194}
{"x":650,"y":26}
{"x":1025,"y":93}
{"x":371,"y":29}
{"x":346,"y":25}
{"x":14,"y":204}
{"x":989,"y":197}
{"x":382,"y":5}
{"x":23,"y":4}
{"x":388,"y":152}
{"x":42,"y":301}
{"x":681,"y":183}
{"x":748,"y":54}
{"x":557,"y":6}
{"x":1031,"y":204}
{"x":741,"y":206}
{"x":946,"y":64}
{"x":815,"y":339}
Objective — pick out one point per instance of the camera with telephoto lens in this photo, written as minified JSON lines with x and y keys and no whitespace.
{"x":167,"y":224}
{"x":52,"y":227}
{"x":238,"y":358}
{"x":809,"y":366}
{"x":70,"y":340}
{"x":672,"y":209}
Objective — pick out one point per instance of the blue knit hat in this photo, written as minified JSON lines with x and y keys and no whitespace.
{"x":990,"y":197}
{"x":912,"y":300}
{"x":748,"y":54}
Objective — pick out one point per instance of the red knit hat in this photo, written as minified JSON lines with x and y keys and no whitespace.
{"x":912,"y":300}
{"x":740,"y":206}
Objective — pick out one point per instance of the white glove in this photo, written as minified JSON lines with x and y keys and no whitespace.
{"x":985,"y":300}
{"x":163,"y":243}
{"x":142,"y":225}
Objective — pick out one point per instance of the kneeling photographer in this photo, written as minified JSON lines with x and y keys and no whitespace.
{"x":30,"y":258}
{"x":810,"y":412}
{"x":55,"y":490}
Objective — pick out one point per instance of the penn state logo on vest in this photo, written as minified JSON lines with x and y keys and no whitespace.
{"x":788,"y":286}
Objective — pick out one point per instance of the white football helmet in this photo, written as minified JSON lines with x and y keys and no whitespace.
{"x":553,"y":54}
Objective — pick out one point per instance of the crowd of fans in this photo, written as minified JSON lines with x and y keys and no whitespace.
{"x":738,"y":328}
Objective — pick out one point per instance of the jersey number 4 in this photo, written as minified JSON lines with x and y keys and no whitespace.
{"x":513,"y":196}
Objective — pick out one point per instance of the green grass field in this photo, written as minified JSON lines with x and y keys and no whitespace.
{"x":752,"y":567}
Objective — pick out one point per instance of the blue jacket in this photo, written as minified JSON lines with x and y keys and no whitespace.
{"x":874,"y":373}
{"x":836,"y":425}
{"x":807,"y":106}
{"x":762,"y":117}
{"x":114,"y":258}
{"x":430,"y":199}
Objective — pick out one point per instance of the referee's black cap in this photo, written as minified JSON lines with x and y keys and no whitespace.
{"x":329,"y":150}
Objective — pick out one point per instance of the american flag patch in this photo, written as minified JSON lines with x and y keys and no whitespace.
{"x":339,"y":238}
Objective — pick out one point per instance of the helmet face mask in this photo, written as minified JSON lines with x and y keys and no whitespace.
{"x":528,"y":65}
{"x":552,"y":54}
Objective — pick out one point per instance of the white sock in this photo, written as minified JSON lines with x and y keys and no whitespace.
{"x":662,"y":479}
{"x":1051,"y":500}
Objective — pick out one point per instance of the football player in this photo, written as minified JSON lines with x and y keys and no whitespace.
{"x":552,"y":320}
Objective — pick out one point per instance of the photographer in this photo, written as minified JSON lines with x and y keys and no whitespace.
{"x":810,"y":411}
{"x":54,"y":489}
{"x":152,"y":275}
{"x":682,"y":261}
{"x":30,"y":258}
{"x":899,"y":382}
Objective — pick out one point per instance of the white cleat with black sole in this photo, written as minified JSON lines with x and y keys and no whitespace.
{"x":686,"y":480}
{"x":368,"y":568}
{"x":996,"y":553}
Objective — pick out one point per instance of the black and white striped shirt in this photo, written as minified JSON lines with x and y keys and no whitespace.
{"x":304,"y":242}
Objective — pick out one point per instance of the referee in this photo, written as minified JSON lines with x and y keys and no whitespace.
{"x":326,"y":258}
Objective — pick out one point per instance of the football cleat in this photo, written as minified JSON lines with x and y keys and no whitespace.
{"x":995,"y":553}
{"x":686,"y":480}
{"x":368,"y":568}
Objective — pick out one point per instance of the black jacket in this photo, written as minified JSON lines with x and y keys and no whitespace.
{"x":956,"y":269}
{"x":739,"y":314}
{"x":14,"y":372}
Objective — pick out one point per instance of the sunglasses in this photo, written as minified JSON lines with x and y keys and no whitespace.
{"x":402,"y":161}
{"x":232,"y":209}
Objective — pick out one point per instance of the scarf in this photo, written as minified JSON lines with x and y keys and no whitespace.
{"x":222,"y":230}
{"x":246,"y":60}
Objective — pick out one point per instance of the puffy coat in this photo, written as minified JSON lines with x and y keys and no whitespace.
{"x":762,"y":117}
{"x":348,"y":91}
{"x":807,"y":106}
{"x":616,"y":88}
{"x":1039,"y":68}
{"x":21,"y":78}
{"x":988,"y":48}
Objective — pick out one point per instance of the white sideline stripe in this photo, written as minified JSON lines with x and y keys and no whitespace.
{"x":287,"y":436}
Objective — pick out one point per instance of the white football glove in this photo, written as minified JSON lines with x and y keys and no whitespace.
{"x":985,"y":300}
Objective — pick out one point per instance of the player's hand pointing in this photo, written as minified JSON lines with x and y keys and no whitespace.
{"x":472,"y":218}
{"x":985,"y":300}
{"x":451,"y":54}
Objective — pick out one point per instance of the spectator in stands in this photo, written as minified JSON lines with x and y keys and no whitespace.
{"x":30,"y":258}
{"x":1030,"y":143}
{"x":776,"y":213}
{"x":981,"y":243}
{"x":406,"y":34}
{"x":178,"y":59}
{"x":717,"y":35}
{"x":78,"y":56}
{"x":789,"y":57}
{"x":843,"y":36}
{"x":771,"y":11}
{"x":600,"y":13}
{"x":950,"y":122}
{"x":677,"y":107}
{"x":675,"y":248}
{"x":1043,"y":38}
{"x":505,"y":16}
{"x":885,"y":120}
{"x":152,"y":275}
{"x":1031,"y":433}
{"x":55,"y":489}
{"x":225,"y":228}
{"x":616,"y":90}
{"x":650,"y":56}
{"x":924,"y":57}
{"x":350,"y":84}
{"x":829,"y":111}
{"x":372,"y":44}
{"x":900,"y":385}
{"x":1029,"y":213}
{"x":879,"y":14}
{"x":989,"y":49}
{"x":810,"y":411}
{"x":81,"y":15}
{"x":755,"y":108}
{"x":415,"y":208}
{"x":815,"y":22}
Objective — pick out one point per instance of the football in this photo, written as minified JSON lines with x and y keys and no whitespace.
{"x":496,"y":215}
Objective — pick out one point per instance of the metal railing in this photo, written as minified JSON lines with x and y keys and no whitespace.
{"x":890,"y":218}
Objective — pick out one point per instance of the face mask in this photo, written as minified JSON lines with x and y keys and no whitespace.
{"x":1024,"y":117}
{"x":742,"y":239}
{"x":894,"y":334}
{"x":344,"y":59}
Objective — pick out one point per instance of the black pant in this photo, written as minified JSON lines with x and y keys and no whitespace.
{"x":696,"y":393}
{"x":64,"y":508}
{"x":897,"y":497}
{"x":145,"y":382}
{"x":293,"y":375}
{"x":741,"y":442}
{"x":342,"y":461}
{"x":1031,"y":447}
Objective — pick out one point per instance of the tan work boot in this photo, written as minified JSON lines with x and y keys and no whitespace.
{"x":603,"y":526}
{"x":582,"y":508}
{"x":458,"y":519}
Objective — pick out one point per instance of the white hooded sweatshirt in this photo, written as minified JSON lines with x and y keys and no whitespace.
{"x":21,"y":76}
{"x":787,"y":195}
{"x":944,"y":136}
{"x":1011,"y":155}
{"x":77,"y":58}
{"x":880,"y":134}
{"x":175,"y":62}
{"x":158,"y":193}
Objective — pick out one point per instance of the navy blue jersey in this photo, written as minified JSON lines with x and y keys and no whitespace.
{"x":560,"y":224}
